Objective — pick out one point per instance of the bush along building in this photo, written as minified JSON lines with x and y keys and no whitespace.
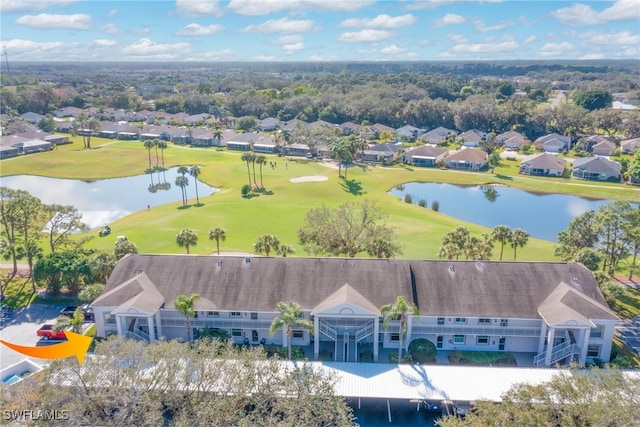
{"x":552,"y":310}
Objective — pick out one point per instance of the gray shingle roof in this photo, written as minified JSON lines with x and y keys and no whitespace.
{"x":438,"y":288}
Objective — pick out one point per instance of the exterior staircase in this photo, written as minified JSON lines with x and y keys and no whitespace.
{"x":558,"y":353}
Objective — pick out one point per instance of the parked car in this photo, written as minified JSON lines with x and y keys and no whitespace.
{"x":86,"y":309}
{"x":47,"y":333}
{"x":432,"y":406}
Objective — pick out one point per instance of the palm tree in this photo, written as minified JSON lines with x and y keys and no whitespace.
{"x":183,"y":182}
{"x":398,"y":311}
{"x":156,"y":142}
{"x":254,"y":158}
{"x":261,"y":160}
{"x":162,"y":145}
{"x":195,"y":172}
{"x":266,"y":244}
{"x":148,"y":144}
{"x":217,"y":134}
{"x":285,"y":250}
{"x":187,"y":238}
{"x":246,"y":157}
{"x":290,"y":315}
{"x":502,"y":234}
{"x":101,"y":264}
{"x":519,"y":239}
{"x":185,"y":305}
{"x":183,"y":170}
{"x":217,"y":234}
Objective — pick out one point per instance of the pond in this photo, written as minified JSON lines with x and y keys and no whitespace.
{"x":541,"y":215}
{"x":105,"y":200}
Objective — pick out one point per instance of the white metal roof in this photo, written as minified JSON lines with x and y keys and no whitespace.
{"x":460,"y":383}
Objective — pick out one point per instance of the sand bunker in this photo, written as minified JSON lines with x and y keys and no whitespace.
{"x":312,"y":178}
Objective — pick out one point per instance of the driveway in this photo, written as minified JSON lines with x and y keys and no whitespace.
{"x":20,"y":328}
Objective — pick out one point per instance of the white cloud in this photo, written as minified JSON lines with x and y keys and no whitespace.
{"x":7,"y":6}
{"x":110,"y":29}
{"x":319,"y":58}
{"x":194,"y":29}
{"x":556,"y":49}
{"x":622,"y":38}
{"x":480,"y":27}
{"x":112,"y":12}
{"x":104,"y":42}
{"x":380,"y":21}
{"x":392,"y":50}
{"x":215,"y":55}
{"x":147,"y":48}
{"x":364,"y":36}
{"x":293,"y":47}
{"x":29,"y":45}
{"x":592,"y":56}
{"x":282,"y":25}
{"x":631,"y":52}
{"x":294,"y":38}
{"x":192,"y":9}
{"x":450,"y":19}
{"x":529,"y":40}
{"x":266,"y":7}
{"x":487,"y":47}
{"x":266,"y":58}
{"x":78,"y":21}
{"x":582,"y":14}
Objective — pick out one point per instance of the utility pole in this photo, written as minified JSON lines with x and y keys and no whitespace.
{"x":6,"y":61}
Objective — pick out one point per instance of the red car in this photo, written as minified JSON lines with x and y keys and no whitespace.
{"x":47,"y":333}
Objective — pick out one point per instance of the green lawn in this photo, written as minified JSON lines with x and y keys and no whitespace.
{"x":281,"y":213}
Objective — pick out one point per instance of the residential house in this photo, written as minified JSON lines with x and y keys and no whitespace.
{"x":264,"y":144}
{"x":7,"y":151}
{"x":437,"y":135}
{"x":426,"y":155}
{"x":603,"y":148}
{"x":378,"y":128}
{"x":554,"y":311}
{"x":471,"y":138}
{"x":292,"y":124}
{"x":350,"y":128}
{"x":542,"y":164}
{"x":468,"y":159}
{"x":321,"y":124}
{"x":630,"y":145}
{"x":45,"y":136}
{"x":68,"y":112}
{"x":511,"y":140}
{"x":269,"y":124}
{"x":596,"y":169}
{"x":202,"y":138}
{"x":408,"y":133}
{"x":31,"y":117}
{"x":553,"y":143}
{"x":384,"y":153}
{"x":299,"y":150}
{"x":239,"y":141}
{"x":64,"y":126}
{"x":197,"y":119}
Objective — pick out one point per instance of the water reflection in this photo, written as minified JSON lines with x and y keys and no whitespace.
{"x":540,"y":215}
{"x":103,"y":201}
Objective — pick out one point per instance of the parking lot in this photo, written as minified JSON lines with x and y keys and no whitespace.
{"x":20,"y":328}
{"x":629,"y":330}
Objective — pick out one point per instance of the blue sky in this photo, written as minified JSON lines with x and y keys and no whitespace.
{"x":318,"y":30}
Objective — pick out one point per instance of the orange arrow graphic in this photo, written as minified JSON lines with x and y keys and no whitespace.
{"x":76,"y":345}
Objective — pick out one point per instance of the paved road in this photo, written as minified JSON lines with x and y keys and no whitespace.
{"x":20,"y":328}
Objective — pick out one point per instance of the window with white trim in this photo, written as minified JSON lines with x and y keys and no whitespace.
{"x":458,"y":339}
{"x":596,"y":332}
{"x":236,"y":332}
{"x":254,"y":316}
{"x":482,"y":340}
{"x":461,"y":320}
{"x":440,"y":320}
{"x":235,"y":314}
{"x":394,"y":337}
{"x":593,"y":350}
{"x":484,"y":321}
{"x":504,"y":322}
{"x":297,"y":335}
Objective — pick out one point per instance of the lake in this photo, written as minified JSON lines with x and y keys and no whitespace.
{"x":541,"y":215}
{"x":105,"y":200}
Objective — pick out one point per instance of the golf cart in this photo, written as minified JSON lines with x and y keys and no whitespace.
{"x":105,"y":231}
